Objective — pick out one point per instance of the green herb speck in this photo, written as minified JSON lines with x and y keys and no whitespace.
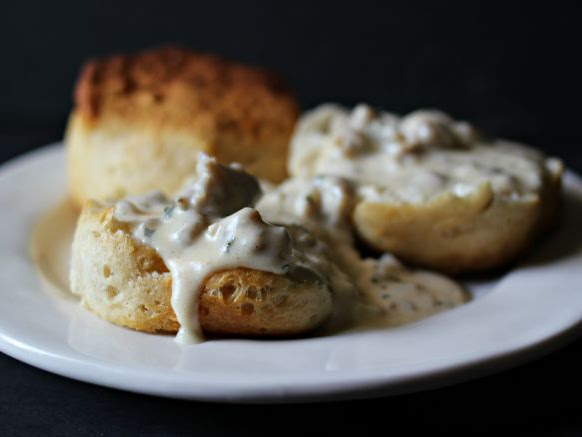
{"x":148,"y":232}
{"x":168,"y":212}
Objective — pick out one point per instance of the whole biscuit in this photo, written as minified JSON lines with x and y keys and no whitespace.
{"x":140,"y":120}
{"x":127,"y":283}
{"x":484,"y":228}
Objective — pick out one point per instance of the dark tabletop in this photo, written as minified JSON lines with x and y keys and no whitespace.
{"x":513,"y":69}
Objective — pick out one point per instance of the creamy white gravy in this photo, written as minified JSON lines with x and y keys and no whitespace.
{"x":213,"y":225}
{"x":388,"y":293}
{"x":412,"y":158}
{"x":200,"y":233}
{"x":210,"y":227}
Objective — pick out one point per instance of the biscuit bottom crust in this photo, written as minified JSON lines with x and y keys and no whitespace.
{"x":127,"y":283}
{"x":458,"y":234}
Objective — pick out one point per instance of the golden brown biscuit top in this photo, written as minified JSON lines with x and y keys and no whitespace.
{"x":176,"y":87}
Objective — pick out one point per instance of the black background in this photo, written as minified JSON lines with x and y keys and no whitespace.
{"x":513,"y":68}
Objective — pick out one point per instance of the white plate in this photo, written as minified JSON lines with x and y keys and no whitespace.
{"x":518,"y":315}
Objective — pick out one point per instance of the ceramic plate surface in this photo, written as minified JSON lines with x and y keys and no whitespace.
{"x":514,"y":316}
